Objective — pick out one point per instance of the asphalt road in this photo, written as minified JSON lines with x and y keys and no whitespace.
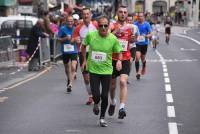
{"x":165,"y":100}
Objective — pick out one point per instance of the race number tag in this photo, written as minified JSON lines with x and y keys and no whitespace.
{"x":167,"y":25}
{"x":124,"y":44}
{"x":141,"y":39}
{"x":68,"y":48}
{"x":98,"y":56}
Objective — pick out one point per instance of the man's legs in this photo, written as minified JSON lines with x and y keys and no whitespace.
{"x":86,"y":79}
{"x":111,"y":109}
{"x":123,"y":95}
{"x":137,"y":64}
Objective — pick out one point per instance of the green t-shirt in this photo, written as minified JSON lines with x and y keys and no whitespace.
{"x":100,"y":52}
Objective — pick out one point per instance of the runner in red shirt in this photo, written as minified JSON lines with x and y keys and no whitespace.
{"x":125,"y":34}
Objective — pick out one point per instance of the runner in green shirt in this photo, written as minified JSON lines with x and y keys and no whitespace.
{"x":101,"y":44}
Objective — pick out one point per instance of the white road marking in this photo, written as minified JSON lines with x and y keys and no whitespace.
{"x":183,"y":36}
{"x":27,"y":80}
{"x":12,"y":73}
{"x":172,"y":128}
{"x":172,"y":60}
{"x":191,"y":49}
{"x":169,"y":98}
{"x":168,"y":88}
{"x":165,"y":70}
{"x":165,"y":66}
{"x":171,"y":111}
{"x":167,"y":80}
{"x":166,"y":75}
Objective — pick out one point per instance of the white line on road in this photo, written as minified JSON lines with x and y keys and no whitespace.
{"x":12,"y":73}
{"x":183,"y":36}
{"x":168,"y":88}
{"x":166,"y":75}
{"x":173,"y":128}
{"x":167,"y":80}
{"x":27,"y":80}
{"x":165,"y":66}
{"x":165,"y":70}
{"x":169,"y":98}
{"x":171,"y":111}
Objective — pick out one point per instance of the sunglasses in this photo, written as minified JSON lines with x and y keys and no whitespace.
{"x":103,"y":26}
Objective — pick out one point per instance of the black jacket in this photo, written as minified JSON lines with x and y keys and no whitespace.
{"x":36,"y":32}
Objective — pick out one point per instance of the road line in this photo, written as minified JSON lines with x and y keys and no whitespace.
{"x":167,"y":80}
{"x":171,"y":111}
{"x":165,"y":66}
{"x":168,"y":88}
{"x":169,"y":98}
{"x":27,"y":80}
{"x":187,"y":37}
{"x":173,"y":128}
{"x":165,"y":70}
{"x":166,"y":75}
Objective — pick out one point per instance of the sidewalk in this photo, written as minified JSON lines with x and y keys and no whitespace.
{"x":11,"y":75}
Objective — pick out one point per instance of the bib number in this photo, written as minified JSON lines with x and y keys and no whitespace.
{"x":124,"y":44}
{"x":141,"y":39}
{"x":68,"y":48}
{"x":99,"y":56}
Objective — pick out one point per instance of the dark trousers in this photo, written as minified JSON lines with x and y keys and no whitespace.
{"x":105,"y":81}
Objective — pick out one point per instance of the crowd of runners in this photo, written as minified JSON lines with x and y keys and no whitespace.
{"x":106,"y":51}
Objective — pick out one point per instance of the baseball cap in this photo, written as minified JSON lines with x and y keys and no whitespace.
{"x":75,"y":16}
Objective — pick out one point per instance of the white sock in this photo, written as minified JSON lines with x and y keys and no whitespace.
{"x":113,"y":101}
{"x":122,"y":105}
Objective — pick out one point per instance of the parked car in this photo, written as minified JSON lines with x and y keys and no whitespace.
{"x":10,"y":25}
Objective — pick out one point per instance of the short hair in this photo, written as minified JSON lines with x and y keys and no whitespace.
{"x":122,"y":6}
{"x":86,"y":8}
{"x":130,"y":15}
{"x":103,"y":17}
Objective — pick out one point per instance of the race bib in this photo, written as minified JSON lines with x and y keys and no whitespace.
{"x":124,"y":44}
{"x":167,"y":25}
{"x":141,"y":39}
{"x":99,"y":56}
{"x":68,"y":48}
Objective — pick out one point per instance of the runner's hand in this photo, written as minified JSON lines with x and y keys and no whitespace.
{"x":83,"y":66}
{"x":119,"y":65}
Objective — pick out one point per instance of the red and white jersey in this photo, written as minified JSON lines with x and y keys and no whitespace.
{"x":82,"y":30}
{"x":123,"y":36}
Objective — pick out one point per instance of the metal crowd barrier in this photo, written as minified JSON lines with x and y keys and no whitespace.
{"x":44,"y":51}
{"x":6,"y":52}
{"x":56,"y":49}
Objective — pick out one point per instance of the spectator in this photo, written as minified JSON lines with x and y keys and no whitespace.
{"x":36,"y":32}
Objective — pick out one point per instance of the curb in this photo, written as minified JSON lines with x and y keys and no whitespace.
{"x":19,"y":81}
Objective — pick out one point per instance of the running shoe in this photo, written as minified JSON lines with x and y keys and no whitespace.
{"x":103,"y":123}
{"x":138,"y":76}
{"x":90,"y":101}
{"x":122,"y":113}
{"x":111,"y":110}
{"x":69,"y":88}
{"x":96,"y":109}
